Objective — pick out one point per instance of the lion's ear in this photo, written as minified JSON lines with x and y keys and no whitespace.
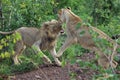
{"x":46,"y":25}
{"x":69,"y":8}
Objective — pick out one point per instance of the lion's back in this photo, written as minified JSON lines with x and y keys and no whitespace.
{"x":28,"y":34}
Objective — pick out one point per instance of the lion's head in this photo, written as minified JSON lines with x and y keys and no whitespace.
{"x":65,"y":14}
{"x":53,"y":28}
{"x":62,"y":12}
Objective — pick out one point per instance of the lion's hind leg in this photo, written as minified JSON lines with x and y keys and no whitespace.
{"x":19,"y":47}
{"x":87,"y":43}
{"x":104,"y":60}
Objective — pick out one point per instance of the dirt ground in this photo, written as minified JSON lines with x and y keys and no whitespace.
{"x":53,"y":72}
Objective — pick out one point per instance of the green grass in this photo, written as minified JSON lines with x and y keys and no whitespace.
{"x":29,"y":62}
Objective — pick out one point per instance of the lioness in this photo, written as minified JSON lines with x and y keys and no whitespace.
{"x":79,"y":33}
{"x":41,"y":39}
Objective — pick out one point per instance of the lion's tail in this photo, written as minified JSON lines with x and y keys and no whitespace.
{"x":5,"y":33}
{"x":103,"y":35}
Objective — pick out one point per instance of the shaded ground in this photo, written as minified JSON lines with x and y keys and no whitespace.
{"x":52,"y":72}
{"x":57,"y":73}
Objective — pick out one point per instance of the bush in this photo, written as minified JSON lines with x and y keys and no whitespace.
{"x":7,"y":45}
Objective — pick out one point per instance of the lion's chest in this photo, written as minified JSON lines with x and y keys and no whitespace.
{"x":47,"y":43}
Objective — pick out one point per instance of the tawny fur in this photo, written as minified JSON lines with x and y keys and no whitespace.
{"x":41,"y":39}
{"x":74,"y":27}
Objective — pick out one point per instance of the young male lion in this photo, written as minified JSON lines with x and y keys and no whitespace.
{"x":41,"y":39}
{"x":78,"y":33}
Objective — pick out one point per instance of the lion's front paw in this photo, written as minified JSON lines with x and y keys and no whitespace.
{"x":49,"y":61}
{"x":59,"y":64}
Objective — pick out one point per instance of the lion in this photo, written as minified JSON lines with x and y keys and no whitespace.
{"x":78,"y":33}
{"x":40,"y":39}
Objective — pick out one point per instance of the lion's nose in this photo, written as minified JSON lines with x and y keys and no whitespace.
{"x":62,"y":31}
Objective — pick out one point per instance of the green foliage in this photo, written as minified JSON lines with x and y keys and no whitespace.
{"x":23,"y":67}
{"x":30,"y":61}
{"x":26,"y":12}
{"x":69,"y":55}
{"x":106,"y":77}
{"x":4,"y":69}
{"x":7,"y":45}
{"x":104,"y":10}
{"x":72,"y":76}
{"x":5,"y":66}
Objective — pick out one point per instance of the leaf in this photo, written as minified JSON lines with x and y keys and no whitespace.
{"x":2,"y":41}
{"x":23,"y":5}
{"x":13,"y":52}
{"x":7,"y":54}
{"x":18,"y":36}
{"x":1,"y":46}
{"x":14,"y":41}
{"x":2,"y":55}
{"x":5,"y":44}
{"x":7,"y":37}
